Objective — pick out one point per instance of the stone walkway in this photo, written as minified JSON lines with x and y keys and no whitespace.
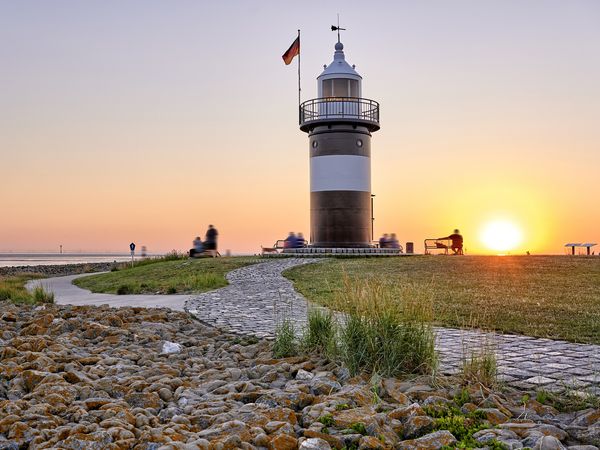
{"x":259,"y":296}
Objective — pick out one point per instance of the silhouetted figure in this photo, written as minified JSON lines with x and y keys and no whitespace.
{"x":394,"y":241}
{"x":291,"y":241}
{"x":457,"y":242}
{"x":300,"y":241}
{"x":384,"y":241}
{"x":210,"y":241}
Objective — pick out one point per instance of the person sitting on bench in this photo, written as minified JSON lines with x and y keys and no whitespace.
{"x":291,"y":241}
{"x":457,"y":242}
{"x":197,"y":248}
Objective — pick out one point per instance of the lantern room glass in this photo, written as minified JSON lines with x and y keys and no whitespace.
{"x":340,"y":87}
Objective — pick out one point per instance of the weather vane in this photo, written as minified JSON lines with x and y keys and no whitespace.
{"x":338,"y":28}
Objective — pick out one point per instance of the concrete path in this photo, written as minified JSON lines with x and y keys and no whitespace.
{"x":66,"y":293}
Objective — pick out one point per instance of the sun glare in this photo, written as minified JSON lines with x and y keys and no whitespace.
{"x":501,"y":236}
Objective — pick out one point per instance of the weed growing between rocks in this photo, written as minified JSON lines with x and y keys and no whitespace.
{"x":41,"y":295}
{"x":286,"y":341}
{"x":320,"y":333}
{"x":569,"y":400}
{"x":463,"y":426}
{"x":386,"y":329}
{"x":480,"y":366}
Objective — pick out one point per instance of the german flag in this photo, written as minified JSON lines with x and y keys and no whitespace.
{"x":294,"y":50}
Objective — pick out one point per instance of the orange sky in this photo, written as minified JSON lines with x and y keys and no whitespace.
{"x":147,"y":121}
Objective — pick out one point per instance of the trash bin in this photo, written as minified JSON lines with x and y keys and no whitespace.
{"x":410,"y":247}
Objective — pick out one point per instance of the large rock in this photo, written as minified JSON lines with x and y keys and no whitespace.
{"x":143,"y":400}
{"x":431,"y":441}
{"x":314,"y":444}
{"x":549,"y":443}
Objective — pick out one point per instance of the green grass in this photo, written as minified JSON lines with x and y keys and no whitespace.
{"x":546,"y":296}
{"x":320,"y":333}
{"x":12,"y":288}
{"x":286,"y":341}
{"x":480,"y":367}
{"x":171,"y":276}
{"x":386,"y":330}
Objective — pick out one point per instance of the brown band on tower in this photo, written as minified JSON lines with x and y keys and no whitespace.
{"x":340,"y":218}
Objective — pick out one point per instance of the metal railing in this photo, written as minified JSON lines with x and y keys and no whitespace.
{"x":339,"y":108}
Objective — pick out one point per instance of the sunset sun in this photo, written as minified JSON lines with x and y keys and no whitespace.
{"x":501,"y":236}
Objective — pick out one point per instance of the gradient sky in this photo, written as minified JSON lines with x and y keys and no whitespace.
{"x":148,"y":120}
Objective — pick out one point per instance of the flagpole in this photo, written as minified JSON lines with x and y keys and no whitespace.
{"x":299,"y":53}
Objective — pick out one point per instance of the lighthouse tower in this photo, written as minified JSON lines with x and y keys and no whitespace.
{"x":339,"y":124}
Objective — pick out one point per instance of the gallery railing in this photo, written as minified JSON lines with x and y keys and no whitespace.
{"x":340,"y":108}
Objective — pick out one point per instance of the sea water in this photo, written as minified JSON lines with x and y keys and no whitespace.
{"x":46,"y":259}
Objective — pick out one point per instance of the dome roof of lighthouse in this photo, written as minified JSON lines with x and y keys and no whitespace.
{"x":339,"y":67}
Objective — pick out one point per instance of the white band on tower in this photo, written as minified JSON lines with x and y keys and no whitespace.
{"x":340,"y":173}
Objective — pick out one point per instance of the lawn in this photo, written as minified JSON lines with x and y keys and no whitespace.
{"x":179,"y":276}
{"x":546,"y":296}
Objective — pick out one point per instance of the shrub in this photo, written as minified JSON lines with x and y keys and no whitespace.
{"x":320,"y":333}
{"x":174,"y":255}
{"x":386,"y":328}
{"x":40,"y":295}
{"x":285,"y":340}
{"x":124,"y":289}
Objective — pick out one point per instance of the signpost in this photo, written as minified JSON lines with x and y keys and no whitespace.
{"x":132,"y":248}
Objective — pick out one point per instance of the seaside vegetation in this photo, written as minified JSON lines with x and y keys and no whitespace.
{"x":12,"y":288}
{"x":173,"y":274}
{"x":382,"y":330}
{"x":544,"y":296}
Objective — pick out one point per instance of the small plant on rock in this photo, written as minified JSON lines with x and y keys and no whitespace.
{"x":461,"y":426}
{"x":342,"y":406}
{"x":542,"y":396}
{"x":285,"y":340}
{"x":462,"y":397}
{"x":359,"y":427}
{"x":327,"y":420}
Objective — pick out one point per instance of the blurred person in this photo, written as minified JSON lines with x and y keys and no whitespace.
{"x":290,"y":241}
{"x":384,"y":241}
{"x":197,"y":247}
{"x":394,"y":241}
{"x":300,"y":240}
{"x":210,"y":241}
{"x":457,"y":242}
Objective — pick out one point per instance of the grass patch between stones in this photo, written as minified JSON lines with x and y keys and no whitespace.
{"x":166,"y":276}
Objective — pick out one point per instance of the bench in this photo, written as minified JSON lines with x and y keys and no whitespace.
{"x":205,"y":254}
{"x":437,"y":244}
{"x":279,"y":245}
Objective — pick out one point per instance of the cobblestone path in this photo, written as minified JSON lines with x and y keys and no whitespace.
{"x":258,"y":296}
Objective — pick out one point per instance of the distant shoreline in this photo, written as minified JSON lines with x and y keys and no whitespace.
{"x":58,"y":270}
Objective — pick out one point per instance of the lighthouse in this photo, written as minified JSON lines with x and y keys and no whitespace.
{"x":339,"y":124}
